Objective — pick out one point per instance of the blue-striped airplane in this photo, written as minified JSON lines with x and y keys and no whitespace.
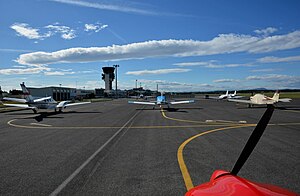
{"x":161,"y":100}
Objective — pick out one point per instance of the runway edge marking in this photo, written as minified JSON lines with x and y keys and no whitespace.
{"x":183,"y":168}
{"x":81,"y":167}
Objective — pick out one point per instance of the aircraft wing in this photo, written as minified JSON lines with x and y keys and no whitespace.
{"x":20,"y":106}
{"x":181,"y":102}
{"x":285,"y":100}
{"x":236,"y":97}
{"x":15,"y":99}
{"x":241,"y":101}
{"x":79,"y":103}
{"x":63,"y":104}
{"x":41,"y":99}
{"x":141,"y":102}
{"x":209,"y":97}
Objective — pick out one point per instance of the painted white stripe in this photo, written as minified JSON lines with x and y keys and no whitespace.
{"x":40,"y":124}
{"x":78,"y":170}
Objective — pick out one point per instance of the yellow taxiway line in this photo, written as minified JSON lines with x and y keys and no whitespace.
{"x":185,"y":173}
{"x":198,"y":122}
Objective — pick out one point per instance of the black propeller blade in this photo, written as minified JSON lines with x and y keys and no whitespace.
{"x":253,"y":139}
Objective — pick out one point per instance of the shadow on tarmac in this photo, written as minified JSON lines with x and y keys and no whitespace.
{"x":41,"y":115}
{"x":171,"y":109}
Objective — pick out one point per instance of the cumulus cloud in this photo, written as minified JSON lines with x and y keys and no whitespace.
{"x":273,"y":59}
{"x":25,"y":30}
{"x":66,"y":32}
{"x":266,"y":31}
{"x":156,"y":72}
{"x":94,"y":27}
{"x":224,"y":43}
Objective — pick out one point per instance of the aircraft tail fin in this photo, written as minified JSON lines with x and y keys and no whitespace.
{"x":234,"y":94}
{"x":276,"y":96}
{"x":226,"y":92}
{"x":26,"y":93}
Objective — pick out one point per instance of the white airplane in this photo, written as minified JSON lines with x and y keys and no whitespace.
{"x":234,"y":96}
{"x":41,"y":103}
{"x":227,"y":96}
{"x":141,"y":96}
{"x":161,"y":100}
{"x":260,"y":99}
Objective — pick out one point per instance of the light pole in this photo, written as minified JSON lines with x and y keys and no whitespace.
{"x":59,"y":92}
{"x":116,"y":66}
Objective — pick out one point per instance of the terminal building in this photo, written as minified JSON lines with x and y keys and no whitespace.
{"x":61,"y":93}
{"x":57,"y":93}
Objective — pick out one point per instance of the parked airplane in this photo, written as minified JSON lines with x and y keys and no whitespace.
{"x":227,"y":96}
{"x":141,"y":96}
{"x":234,"y":96}
{"x":228,"y":183}
{"x":260,"y":99}
{"x":40,"y":103}
{"x":161,"y":100}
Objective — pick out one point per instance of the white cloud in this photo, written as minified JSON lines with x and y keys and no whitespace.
{"x":14,"y":50}
{"x":272,"y":77}
{"x":111,"y":7}
{"x":225,"y":43}
{"x":66,"y":32}
{"x":210,"y":64}
{"x":25,"y":30}
{"x":174,"y":86}
{"x":156,"y":72}
{"x":57,"y":73}
{"x":28,"y":70}
{"x":263,"y":70}
{"x":277,"y":81}
{"x":186,"y":64}
{"x":266,"y":31}
{"x":69,"y":35}
{"x":272,"y":59}
{"x":94,"y":27}
{"x":225,"y":80}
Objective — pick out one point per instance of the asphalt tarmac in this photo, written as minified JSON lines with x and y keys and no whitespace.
{"x":115,"y":148}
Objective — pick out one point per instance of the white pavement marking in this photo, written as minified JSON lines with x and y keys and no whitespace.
{"x":40,"y":124}
{"x":78,"y":170}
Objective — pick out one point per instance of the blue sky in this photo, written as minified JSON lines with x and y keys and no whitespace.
{"x":180,"y":45}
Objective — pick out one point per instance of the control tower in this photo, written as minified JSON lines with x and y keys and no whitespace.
{"x":108,"y":76}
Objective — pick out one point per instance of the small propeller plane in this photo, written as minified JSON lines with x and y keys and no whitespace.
{"x":161,"y":100}
{"x":228,"y":183}
{"x":141,"y":96}
{"x":40,"y":103}
{"x":260,"y":99}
